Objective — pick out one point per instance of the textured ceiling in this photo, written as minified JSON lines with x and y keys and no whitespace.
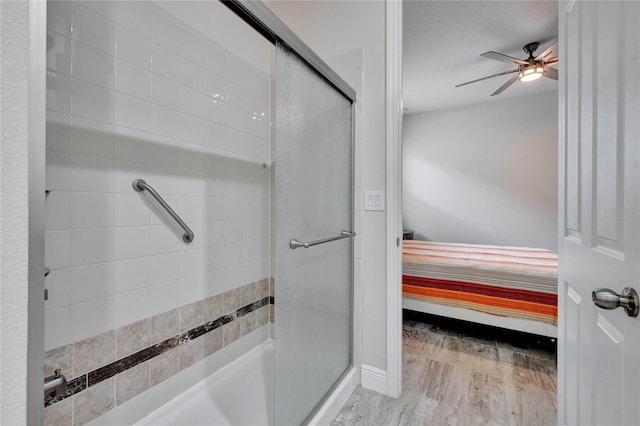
{"x":443,"y":41}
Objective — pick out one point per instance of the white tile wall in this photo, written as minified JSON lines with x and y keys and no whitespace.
{"x":92,"y":65}
{"x":132,"y":92}
{"x":133,"y":47}
{"x":92,"y":28}
{"x":133,"y":80}
{"x":90,"y":282}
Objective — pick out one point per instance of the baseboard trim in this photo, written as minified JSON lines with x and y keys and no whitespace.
{"x":336,"y":401}
{"x":373,"y":378}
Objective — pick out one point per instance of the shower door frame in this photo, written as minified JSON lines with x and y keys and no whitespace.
{"x":260,"y":17}
{"x":263,"y":20}
{"x":312,"y":417}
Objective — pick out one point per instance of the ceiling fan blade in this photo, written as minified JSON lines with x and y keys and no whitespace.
{"x":551,"y":73}
{"x":504,"y":58}
{"x":552,"y":61}
{"x":485,"y":78}
{"x":549,"y":52}
{"x":506,"y":85}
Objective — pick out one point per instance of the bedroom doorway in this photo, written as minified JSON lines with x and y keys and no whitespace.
{"x":479,"y":194}
{"x":598,"y":150}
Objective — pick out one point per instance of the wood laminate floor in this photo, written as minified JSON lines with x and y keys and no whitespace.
{"x":458,"y":373}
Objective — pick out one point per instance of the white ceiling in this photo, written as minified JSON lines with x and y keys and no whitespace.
{"x":443,"y":41}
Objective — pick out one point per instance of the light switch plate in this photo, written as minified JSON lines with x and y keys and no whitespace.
{"x":374,"y":201}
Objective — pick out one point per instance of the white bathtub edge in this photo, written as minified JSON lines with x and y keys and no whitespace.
{"x":336,"y":401}
{"x":203,"y":383}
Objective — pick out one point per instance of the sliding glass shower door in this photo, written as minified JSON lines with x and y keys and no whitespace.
{"x":314,"y":207}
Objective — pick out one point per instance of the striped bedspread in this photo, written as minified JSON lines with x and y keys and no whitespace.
{"x":516,"y":282}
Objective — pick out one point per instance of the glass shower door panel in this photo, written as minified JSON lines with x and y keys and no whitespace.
{"x":313,"y":200}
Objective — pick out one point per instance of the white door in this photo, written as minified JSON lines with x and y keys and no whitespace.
{"x":599,"y":350}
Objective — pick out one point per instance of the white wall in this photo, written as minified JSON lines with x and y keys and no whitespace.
{"x":484,"y":173}
{"x":134,"y":93}
{"x":333,"y":28}
{"x":14,"y":231}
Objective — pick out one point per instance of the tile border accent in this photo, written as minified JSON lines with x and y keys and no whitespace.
{"x":103,"y":373}
{"x":92,"y":378}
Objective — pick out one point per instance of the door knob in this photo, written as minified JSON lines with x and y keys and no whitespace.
{"x":608,"y":299}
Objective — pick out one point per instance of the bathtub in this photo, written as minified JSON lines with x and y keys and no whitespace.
{"x":240,"y":394}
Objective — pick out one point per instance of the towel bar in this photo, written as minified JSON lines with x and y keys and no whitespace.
{"x":294,"y":244}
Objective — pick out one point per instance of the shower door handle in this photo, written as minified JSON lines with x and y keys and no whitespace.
{"x":294,"y":244}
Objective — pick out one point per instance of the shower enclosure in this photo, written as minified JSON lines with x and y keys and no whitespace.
{"x":199,"y":213}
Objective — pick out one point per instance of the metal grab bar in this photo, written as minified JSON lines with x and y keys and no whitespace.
{"x":294,"y":244}
{"x":141,"y":185}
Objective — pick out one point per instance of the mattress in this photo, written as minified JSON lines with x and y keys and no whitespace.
{"x":517,"y":282}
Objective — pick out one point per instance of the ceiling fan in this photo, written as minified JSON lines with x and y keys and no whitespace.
{"x":528,"y":69}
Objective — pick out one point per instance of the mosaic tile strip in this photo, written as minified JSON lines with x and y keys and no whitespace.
{"x":196,"y":332}
{"x":101,"y":374}
{"x":252,"y":307}
{"x":121,"y":365}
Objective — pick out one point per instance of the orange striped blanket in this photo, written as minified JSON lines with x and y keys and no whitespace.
{"x":516,"y":282}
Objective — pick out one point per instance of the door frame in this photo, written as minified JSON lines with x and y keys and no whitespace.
{"x":36,"y":187}
{"x":394,"y":196}
{"x":394,"y":113}
{"x":564,"y":7}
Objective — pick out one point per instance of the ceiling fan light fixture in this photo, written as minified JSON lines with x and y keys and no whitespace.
{"x":531,"y":73}
{"x":529,"y":69}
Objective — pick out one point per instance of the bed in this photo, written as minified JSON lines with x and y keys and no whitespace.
{"x":508,"y":287}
